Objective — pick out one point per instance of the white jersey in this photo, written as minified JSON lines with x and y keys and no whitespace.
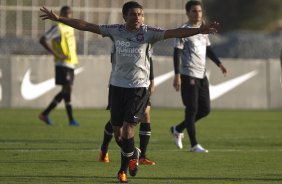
{"x":194,"y":53}
{"x":131,"y":67}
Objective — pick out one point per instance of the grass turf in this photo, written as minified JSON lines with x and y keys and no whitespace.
{"x":245,"y":147}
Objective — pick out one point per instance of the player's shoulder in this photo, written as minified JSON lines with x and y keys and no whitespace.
{"x":151,"y":29}
{"x":185,"y":25}
{"x":53,"y":28}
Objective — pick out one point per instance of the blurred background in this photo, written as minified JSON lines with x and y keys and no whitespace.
{"x":249,"y":40}
{"x":248,"y":29}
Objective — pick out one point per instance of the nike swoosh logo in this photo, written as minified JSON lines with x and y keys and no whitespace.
{"x":217,"y":90}
{"x":32,"y":91}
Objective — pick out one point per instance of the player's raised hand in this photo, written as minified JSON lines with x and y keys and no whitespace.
{"x":48,"y":14}
{"x":209,"y":28}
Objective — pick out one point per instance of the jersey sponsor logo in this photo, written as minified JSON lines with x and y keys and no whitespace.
{"x":123,"y":48}
{"x":217,"y":90}
{"x":122,"y":43}
{"x":31,"y":91}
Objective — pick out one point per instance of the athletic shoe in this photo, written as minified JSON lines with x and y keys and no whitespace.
{"x":198,"y":149}
{"x":146,"y":161}
{"x":177,"y":137}
{"x":103,"y":157}
{"x":133,"y":163}
{"x":73,"y":123}
{"x":122,"y":177}
{"x":45,"y":119}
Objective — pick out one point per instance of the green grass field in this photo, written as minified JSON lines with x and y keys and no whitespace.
{"x":245,"y":147}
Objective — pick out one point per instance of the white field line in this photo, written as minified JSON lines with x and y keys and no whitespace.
{"x":32,"y":150}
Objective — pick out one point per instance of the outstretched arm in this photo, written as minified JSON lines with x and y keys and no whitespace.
{"x":216,"y":60}
{"x":75,"y":23}
{"x":186,"y":32}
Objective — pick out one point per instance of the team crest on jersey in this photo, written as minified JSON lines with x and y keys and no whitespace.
{"x":120,"y":27}
{"x":140,"y":37}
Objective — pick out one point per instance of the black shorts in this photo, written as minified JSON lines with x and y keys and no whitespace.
{"x":127,"y":104}
{"x":64,"y":75}
{"x":109,"y":100}
{"x":195,"y":92}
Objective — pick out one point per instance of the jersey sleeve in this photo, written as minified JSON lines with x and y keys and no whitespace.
{"x":155,"y":34}
{"x":52,"y":33}
{"x":108,"y":30}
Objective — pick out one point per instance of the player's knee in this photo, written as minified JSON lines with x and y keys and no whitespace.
{"x":127,"y":131}
{"x":146,"y":117}
{"x":191,"y":110}
{"x":66,"y":88}
{"x":117,"y":131}
{"x":117,"y":138}
{"x":205,"y":111}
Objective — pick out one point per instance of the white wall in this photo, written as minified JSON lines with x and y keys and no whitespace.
{"x":255,"y":83}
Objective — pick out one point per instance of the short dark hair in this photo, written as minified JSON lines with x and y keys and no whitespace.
{"x":64,"y":10}
{"x":191,"y":3}
{"x":130,"y":5}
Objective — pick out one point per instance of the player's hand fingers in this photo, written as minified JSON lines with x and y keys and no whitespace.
{"x":44,"y":17}
{"x":176,"y":86}
{"x":45,"y":10}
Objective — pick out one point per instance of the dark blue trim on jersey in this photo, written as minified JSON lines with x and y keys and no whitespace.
{"x":51,"y":29}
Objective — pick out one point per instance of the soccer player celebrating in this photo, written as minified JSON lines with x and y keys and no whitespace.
{"x":192,"y":78}
{"x":145,"y":126}
{"x":130,"y":78}
{"x":64,"y":50}
{"x":144,"y":129}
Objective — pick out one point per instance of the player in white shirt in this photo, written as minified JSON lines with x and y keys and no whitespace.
{"x":191,"y":77}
